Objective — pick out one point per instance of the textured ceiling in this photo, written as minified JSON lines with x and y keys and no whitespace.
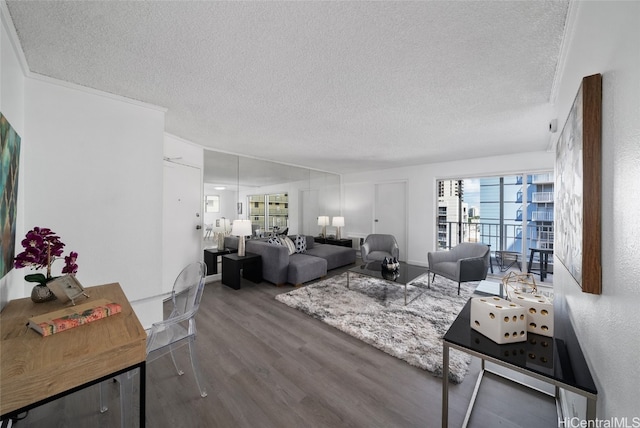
{"x":337,"y":86}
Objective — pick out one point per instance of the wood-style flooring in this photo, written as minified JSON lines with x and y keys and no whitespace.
{"x":267,"y":365}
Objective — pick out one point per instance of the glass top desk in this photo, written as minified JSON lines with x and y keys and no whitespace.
{"x":548,"y":359}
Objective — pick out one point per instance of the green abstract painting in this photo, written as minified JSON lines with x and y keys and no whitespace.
{"x":9,"y":162}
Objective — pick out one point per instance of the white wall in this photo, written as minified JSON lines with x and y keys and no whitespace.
{"x":358,"y":191}
{"x":12,"y":107}
{"x":91,"y":170}
{"x":94,"y":176}
{"x":604,"y":38}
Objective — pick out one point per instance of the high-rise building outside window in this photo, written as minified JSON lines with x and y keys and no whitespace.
{"x":510,"y":213}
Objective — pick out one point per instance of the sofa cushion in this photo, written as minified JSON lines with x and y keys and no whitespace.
{"x":335,"y":255}
{"x":301,"y":244}
{"x":310,"y":241}
{"x":275,"y":260}
{"x":274,"y":240}
{"x":231,"y":242}
{"x":288,"y":244}
{"x":303,"y":268}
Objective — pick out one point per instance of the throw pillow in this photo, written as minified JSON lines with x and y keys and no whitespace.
{"x":274,"y":240}
{"x":301,"y":244}
{"x":287,"y":242}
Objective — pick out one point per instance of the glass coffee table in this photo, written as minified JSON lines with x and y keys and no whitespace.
{"x":405,"y":275}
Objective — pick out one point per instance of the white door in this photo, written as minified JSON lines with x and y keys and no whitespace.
{"x":181,"y":220}
{"x":390,"y":213}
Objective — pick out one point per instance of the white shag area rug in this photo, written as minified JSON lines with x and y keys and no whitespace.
{"x":373,"y":311}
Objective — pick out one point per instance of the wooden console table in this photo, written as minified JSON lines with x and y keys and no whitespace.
{"x":35,"y":370}
{"x":548,"y":359}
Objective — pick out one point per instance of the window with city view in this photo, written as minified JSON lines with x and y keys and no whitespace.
{"x":510,"y":213}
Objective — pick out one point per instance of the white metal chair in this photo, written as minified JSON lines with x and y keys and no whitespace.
{"x":175,"y":331}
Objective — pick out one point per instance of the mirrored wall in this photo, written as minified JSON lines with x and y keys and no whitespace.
{"x":270,"y":194}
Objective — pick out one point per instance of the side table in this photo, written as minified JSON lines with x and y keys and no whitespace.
{"x":332,"y":241}
{"x":211,"y":258}
{"x":235,"y":267}
{"x":548,"y":359}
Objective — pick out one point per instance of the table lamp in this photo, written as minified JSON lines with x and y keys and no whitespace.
{"x":241,"y":228}
{"x":226,"y":223}
{"x":338,"y":222}
{"x":323,"y":221}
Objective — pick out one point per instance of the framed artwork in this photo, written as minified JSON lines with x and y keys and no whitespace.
{"x":9,"y":162}
{"x":212,"y":203}
{"x":578,"y":188}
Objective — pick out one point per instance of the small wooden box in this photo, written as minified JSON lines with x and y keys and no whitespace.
{"x":500,"y":320}
{"x":539,"y":312}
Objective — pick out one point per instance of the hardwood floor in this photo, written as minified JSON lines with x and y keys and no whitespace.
{"x":267,"y":365}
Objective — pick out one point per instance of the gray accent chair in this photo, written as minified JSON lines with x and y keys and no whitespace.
{"x":377,"y":246}
{"x":467,"y":261}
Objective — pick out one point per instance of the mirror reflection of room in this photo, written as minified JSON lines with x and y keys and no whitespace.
{"x":269,"y":214}
{"x":276,"y":198}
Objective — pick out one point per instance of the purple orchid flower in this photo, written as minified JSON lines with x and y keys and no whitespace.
{"x":42,"y":247}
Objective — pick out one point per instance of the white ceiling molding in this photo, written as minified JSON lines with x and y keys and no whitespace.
{"x":92,"y":91}
{"x":569,"y":33}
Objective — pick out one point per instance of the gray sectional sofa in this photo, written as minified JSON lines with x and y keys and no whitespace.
{"x":279,"y":267}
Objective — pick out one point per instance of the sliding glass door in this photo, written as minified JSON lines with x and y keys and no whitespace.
{"x":509,"y":213}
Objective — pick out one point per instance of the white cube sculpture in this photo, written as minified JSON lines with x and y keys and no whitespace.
{"x":500,"y":320}
{"x":539,"y":312}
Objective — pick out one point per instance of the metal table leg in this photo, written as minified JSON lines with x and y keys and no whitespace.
{"x":445,"y":385}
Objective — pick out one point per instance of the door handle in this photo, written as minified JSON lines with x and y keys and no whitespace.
{"x":376,"y":220}
{"x":198,"y":227}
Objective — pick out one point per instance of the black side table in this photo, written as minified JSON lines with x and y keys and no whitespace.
{"x":232,"y":265}
{"x":333,"y":241}
{"x":211,"y":258}
{"x":548,"y":359}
